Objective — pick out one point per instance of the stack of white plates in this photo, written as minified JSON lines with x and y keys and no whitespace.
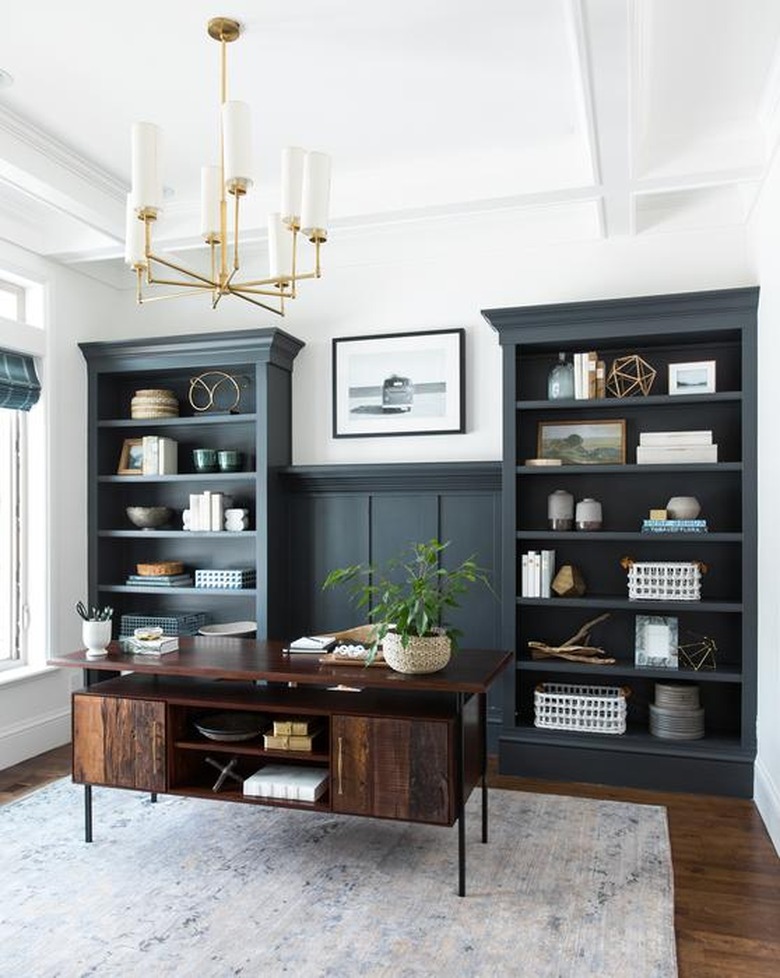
{"x":154,"y":404}
{"x":676,"y":714}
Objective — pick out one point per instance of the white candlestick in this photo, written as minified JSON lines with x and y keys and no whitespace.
{"x":292,"y":184}
{"x":316,"y":192}
{"x":209,"y":201}
{"x":237,"y":136}
{"x":135,"y":237}
{"x":280,"y":248}
{"x":146,"y":140}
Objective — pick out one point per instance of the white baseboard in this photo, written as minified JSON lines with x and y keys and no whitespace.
{"x":766,"y":795}
{"x":25,"y":740}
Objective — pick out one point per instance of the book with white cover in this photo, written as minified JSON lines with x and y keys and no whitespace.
{"x":547,"y":572}
{"x":287,"y":782}
{"x":167,"y":456}
{"x":665,"y":439}
{"x":524,"y":563}
{"x":150,"y":448}
{"x":676,"y":454}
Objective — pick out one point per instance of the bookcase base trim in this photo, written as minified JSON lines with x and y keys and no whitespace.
{"x":627,"y":769}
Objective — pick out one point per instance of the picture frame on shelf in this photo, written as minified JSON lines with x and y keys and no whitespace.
{"x":656,"y":642}
{"x":399,"y":384}
{"x":583,"y":442}
{"x":697,"y":377}
{"x":131,"y":459}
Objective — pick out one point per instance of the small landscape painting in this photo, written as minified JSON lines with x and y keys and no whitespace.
{"x":583,"y":442}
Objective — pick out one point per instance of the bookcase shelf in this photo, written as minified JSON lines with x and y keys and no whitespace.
{"x":260,"y":430}
{"x":689,"y":328}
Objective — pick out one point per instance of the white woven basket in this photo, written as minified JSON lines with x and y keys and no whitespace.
{"x":428,"y":653}
{"x":590,"y":709}
{"x":672,"y":581}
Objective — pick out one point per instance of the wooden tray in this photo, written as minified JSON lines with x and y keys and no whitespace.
{"x":333,"y":660}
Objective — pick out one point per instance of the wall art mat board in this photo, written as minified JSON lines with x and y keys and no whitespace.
{"x":190,"y":887}
{"x":399,"y":384}
{"x":583,"y":442}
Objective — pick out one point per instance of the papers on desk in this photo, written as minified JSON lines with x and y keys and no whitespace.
{"x":312,"y":643}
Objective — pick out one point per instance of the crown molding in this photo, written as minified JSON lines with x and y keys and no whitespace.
{"x":58,"y":153}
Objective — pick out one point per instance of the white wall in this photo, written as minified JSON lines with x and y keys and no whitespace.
{"x":766,"y":238}
{"x":35,"y":711}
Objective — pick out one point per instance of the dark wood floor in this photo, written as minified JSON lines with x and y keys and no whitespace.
{"x":727,"y":874}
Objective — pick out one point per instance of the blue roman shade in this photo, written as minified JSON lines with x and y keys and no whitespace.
{"x":19,"y":384}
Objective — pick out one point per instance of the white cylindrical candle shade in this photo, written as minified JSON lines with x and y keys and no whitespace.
{"x":135,"y":238}
{"x":209,"y":201}
{"x":237,"y":137}
{"x":280,"y":248}
{"x":316,"y":192}
{"x":146,"y":140}
{"x":292,"y":184}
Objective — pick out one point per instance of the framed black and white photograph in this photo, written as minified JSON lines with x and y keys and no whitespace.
{"x":399,"y":384}
{"x":692,"y":378}
{"x":656,"y":642}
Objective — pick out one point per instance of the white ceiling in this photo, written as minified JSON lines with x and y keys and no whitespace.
{"x":578,"y":118}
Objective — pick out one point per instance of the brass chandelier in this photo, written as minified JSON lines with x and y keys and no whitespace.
{"x":304,"y":208}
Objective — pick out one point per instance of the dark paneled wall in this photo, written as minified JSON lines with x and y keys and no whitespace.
{"x":344,"y":515}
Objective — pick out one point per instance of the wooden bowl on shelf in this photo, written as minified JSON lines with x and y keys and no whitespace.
{"x":161,"y":568}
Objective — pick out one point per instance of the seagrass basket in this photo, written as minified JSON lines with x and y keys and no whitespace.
{"x":427,"y":653}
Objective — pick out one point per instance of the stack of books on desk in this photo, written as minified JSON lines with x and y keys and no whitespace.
{"x":287,"y":782}
{"x":674,"y":447}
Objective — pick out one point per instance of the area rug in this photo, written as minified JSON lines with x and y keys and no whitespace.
{"x":566,"y":887}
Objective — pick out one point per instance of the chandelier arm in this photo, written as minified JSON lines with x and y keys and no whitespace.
{"x":247,"y":288}
{"x":145,"y":300}
{"x":255,"y":302}
{"x":180,"y":268}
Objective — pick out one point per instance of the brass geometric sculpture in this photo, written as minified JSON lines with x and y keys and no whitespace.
{"x":568,"y":582}
{"x":630,"y":375}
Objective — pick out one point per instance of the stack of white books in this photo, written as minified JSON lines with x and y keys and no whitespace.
{"x":538,"y":571}
{"x":287,"y":782}
{"x":207,"y":511}
{"x":160,"y":456}
{"x":670,"y":447}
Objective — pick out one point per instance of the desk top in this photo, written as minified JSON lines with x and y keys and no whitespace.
{"x":210,"y":657}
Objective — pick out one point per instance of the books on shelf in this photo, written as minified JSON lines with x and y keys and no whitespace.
{"x":160,"y":580}
{"x":287,"y":782}
{"x":672,"y":447}
{"x":160,"y":456}
{"x":537,"y":573}
{"x":312,"y":643}
{"x":674,"y":526}
{"x":586,"y":383}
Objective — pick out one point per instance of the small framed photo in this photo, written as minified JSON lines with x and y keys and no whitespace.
{"x":131,"y":461}
{"x":692,"y":378}
{"x":583,"y":442}
{"x":399,"y":384}
{"x":656,"y":642}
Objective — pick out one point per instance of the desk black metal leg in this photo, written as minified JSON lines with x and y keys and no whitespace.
{"x":153,"y":796}
{"x":460,"y":789}
{"x":483,"y":761}
{"x":87,"y":812}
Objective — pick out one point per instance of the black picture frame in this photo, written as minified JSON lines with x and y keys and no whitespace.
{"x":391,"y":384}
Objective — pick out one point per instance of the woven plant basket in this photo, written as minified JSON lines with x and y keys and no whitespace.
{"x":428,"y":653}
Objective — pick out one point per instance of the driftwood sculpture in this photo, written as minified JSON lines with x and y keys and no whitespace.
{"x":575,"y":649}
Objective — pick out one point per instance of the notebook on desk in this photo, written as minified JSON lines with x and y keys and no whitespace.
{"x":312,"y":643}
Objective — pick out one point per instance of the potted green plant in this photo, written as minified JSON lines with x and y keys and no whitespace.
{"x":408,"y":601}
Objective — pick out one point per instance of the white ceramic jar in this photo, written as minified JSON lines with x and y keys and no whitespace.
{"x":683,"y":508}
{"x":96,"y":635}
{"x":560,"y":510}
{"x":588,"y":514}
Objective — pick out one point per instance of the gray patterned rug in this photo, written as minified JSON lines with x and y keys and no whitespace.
{"x":566,"y":887}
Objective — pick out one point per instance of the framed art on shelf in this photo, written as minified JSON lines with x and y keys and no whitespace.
{"x":131,"y":461}
{"x":692,"y":378}
{"x":583,"y":442}
{"x":656,"y":642}
{"x":399,"y":384}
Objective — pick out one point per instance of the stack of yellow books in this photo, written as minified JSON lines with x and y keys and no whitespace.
{"x":297,"y":734}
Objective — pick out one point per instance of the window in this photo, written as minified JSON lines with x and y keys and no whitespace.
{"x":22,"y":471}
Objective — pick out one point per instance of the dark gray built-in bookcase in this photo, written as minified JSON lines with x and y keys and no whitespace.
{"x":715,"y":326}
{"x":262,"y":362}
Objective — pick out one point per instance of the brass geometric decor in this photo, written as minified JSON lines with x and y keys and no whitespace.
{"x":630,"y":375}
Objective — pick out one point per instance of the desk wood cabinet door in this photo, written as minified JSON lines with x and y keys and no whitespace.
{"x":392,"y":768}
{"x":119,"y":742}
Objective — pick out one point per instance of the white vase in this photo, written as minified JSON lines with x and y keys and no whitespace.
{"x":96,"y":635}
{"x":683,"y":508}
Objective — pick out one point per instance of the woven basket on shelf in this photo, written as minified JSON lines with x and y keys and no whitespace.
{"x":152,"y":403}
{"x":428,"y":653}
{"x":161,"y":568}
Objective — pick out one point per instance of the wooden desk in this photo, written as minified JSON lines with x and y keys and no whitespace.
{"x":409,"y":747}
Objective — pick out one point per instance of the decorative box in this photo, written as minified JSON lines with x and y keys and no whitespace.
{"x":589,"y":709}
{"x":671,"y":581}
{"x":171,"y":624}
{"x":233,"y":578}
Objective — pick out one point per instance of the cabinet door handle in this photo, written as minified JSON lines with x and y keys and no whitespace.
{"x":155,"y":736}
{"x":340,"y":765}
